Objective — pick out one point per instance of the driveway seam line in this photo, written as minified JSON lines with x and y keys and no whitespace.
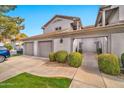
{"x":73,"y":77}
{"x":103,"y":80}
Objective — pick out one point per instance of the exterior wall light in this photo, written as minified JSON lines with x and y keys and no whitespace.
{"x":61,"y":40}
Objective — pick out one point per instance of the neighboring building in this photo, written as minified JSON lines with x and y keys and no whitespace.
{"x":67,"y":33}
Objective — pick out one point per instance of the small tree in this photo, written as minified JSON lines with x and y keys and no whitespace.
{"x":21,"y":36}
{"x":6,"y":8}
{"x":9,"y":26}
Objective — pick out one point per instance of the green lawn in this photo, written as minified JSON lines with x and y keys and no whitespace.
{"x":26,"y":80}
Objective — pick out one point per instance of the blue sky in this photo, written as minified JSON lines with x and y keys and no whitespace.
{"x":37,"y":15}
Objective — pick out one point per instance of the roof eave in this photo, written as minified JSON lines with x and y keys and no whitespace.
{"x":83,"y":31}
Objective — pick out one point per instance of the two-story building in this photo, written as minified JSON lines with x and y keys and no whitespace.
{"x":58,"y":24}
{"x":67,"y":33}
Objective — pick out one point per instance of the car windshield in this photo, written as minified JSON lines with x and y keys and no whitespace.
{"x":3,"y":48}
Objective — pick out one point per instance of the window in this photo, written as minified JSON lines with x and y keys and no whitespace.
{"x":74,"y":26}
{"x":58,"y":28}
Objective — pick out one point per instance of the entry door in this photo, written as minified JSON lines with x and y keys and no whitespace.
{"x":29,"y":48}
{"x":44,"y":48}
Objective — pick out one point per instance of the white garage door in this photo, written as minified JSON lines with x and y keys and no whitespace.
{"x":44,"y":48}
{"x":88,"y":45}
{"x":29,"y":48}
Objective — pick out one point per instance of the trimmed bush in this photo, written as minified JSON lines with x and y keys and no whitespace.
{"x":75,"y":59}
{"x":8,"y":46}
{"x":52,"y":57}
{"x":109,"y":64}
{"x":122,"y":59}
{"x":61,"y":56}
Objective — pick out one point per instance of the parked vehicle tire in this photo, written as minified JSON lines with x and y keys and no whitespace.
{"x":2,"y":58}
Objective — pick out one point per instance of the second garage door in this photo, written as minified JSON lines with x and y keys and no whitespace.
{"x":44,"y":48}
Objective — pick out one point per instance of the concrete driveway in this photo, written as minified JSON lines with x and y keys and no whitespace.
{"x":86,"y":76}
{"x":34,"y":65}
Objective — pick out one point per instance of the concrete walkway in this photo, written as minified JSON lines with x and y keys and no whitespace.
{"x":88,"y":75}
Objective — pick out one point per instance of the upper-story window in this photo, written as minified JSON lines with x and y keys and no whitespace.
{"x":74,"y":26}
{"x":58,"y":28}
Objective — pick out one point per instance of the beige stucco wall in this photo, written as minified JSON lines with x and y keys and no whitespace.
{"x":117,"y":43}
{"x":66,"y":45}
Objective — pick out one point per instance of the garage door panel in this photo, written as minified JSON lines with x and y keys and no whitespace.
{"x":29,"y":48}
{"x":44,"y":48}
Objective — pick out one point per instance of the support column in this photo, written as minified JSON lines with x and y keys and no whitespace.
{"x":35,"y":48}
{"x":24,"y":46}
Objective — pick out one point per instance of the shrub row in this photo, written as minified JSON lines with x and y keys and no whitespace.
{"x":61,"y":56}
{"x":74,"y":59}
{"x":109,"y":63}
